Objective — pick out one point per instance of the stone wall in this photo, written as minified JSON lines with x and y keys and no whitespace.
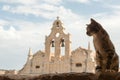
{"x":8,"y":72}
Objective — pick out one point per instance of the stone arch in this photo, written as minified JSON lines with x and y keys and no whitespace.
{"x":52,"y":46}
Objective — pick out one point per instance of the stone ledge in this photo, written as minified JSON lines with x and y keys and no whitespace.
{"x":64,"y":76}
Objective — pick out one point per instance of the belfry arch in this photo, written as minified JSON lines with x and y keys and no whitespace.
{"x":57,"y":39}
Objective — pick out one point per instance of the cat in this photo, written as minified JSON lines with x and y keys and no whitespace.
{"x":106,"y":57}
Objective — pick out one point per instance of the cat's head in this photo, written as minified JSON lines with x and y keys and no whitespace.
{"x":93,"y":27}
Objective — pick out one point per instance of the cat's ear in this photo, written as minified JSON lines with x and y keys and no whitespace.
{"x":92,"y":20}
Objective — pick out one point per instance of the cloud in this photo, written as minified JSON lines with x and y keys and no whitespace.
{"x":55,"y":2}
{"x":6,"y":7}
{"x":3,"y":22}
{"x":114,"y":7}
{"x":81,"y":1}
{"x":44,"y":10}
{"x":10,"y":34}
{"x":32,"y":2}
{"x":85,"y":1}
{"x":24,"y":2}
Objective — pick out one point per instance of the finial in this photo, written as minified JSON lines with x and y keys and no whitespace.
{"x":30,"y":52}
{"x":88,"y":45}
{"x":57,"y":17}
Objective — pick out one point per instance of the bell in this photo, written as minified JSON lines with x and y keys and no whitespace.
{"x":63,"y":43}
{"x":57,"y":24}
{"x":53,"y":44}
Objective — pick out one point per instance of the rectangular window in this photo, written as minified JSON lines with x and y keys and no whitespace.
{"x":37,"y":67}
{"x":78,"y":65}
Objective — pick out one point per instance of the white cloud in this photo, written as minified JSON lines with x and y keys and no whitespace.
{"x":86,"y":1}
{"x":3,"y":22}
{"x":81,"y":1}
{"x":10,"y":34}
{"x":56,"y":2}
{"x":25,"y":2}
{"x":32,"y":2}
{"x":44,"y":10}
{"x":6,"y":7}
{"x":114,"y":7}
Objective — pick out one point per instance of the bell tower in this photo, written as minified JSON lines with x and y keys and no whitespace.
{"x":57,"y":40}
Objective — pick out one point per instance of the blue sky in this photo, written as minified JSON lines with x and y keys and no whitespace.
{"x":24,"y":24}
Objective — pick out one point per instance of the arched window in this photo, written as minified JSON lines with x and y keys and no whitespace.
{"x":62,"y":44}
{"x":57,"y":23}
{"x":53,"y":43}
{"x":52,"y":48}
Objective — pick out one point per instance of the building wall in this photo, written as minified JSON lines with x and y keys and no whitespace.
{"x":8,"y":72}
{"x":2,"y":72}
{"x":57,"y":61}
{"x":76,"y":63}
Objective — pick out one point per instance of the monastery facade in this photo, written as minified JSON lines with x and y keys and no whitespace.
{"x":58,"y":57}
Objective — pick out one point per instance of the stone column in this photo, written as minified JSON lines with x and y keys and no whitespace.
{"x":57,"y":50}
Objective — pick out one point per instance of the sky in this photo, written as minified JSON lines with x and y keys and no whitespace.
{"x":25,"y":23}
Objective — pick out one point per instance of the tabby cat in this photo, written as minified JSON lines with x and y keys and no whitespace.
{"x":106,"y":57}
